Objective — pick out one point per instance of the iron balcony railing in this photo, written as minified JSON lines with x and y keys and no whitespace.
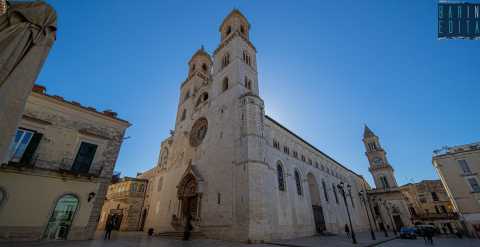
{"x":435,"y":216}
{"x":64,"y":166}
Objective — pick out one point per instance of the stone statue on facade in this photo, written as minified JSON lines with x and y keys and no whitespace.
{"x":27,"y":32}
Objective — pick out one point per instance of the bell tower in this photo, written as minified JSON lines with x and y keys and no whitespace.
{"x":235,"y":58}
{"x":381,"y":170}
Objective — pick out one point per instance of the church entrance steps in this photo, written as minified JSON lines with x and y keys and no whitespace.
{"x":179,"y":235}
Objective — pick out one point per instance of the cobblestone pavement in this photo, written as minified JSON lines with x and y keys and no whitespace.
{"x":141,"y":240}
{"x":442,"y":242}
{"x":131,"y":240}
{"x":363,"y":239}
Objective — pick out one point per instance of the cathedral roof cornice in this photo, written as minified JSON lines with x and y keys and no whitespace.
{"x":311,"y":146}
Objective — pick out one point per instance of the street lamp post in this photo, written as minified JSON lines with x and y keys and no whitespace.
{"x":341,"y":187}
{"x":364,"y":200}
{"x":390,"y":216}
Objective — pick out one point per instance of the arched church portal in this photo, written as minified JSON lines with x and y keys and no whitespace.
{"x":189,"y":198}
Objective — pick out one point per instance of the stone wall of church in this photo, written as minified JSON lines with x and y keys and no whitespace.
{"x":292,"y":213}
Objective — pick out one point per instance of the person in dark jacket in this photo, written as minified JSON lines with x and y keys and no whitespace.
{"x":347,"y":231}
{"x":188,"y":229}
{"x":108,"y":229}
{"x":430,"y":234}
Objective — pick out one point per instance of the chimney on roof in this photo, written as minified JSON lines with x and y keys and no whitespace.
{"x":39,"y":89}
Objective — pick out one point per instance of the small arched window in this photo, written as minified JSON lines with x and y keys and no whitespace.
{"x":202,"y":98}
{"x":384,"y":182}
{"x":184,"y":115}
{"x":226,"y":60}
{"x":335,"y":193}
{"x":193,"y":67}
{"x":246,"y":58}
{"x":225,"y":84}
{"x":204,"y":67}
{"x":298,"y":181}
{"x":325,"y":193}
{"x":229,"y":30}
{"x":242,"y":29}
{"x":248,"y":83}
{"x":280,"y":177}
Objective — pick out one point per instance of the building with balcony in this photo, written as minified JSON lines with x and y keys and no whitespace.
{"x":124,"y":205}
{"x":59,"y":167}
{"x":459,"y":169}
{"x":429,"y":203}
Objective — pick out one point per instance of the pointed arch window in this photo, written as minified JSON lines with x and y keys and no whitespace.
{"x":325,"y":193}
{"x":225,"y":84}
{"x":298,"y":181}
{"x":242,"y":29}
{"x":246,"y":58}
{"x":335,"y":193}
{"x":248,"y":83}
{"x":384,"y":182}
{"x":229,"y":30}
{"x":226,"y":60}
{"x":280,"y":177}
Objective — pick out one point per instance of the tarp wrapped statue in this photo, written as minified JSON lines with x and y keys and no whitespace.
{"x":27,"y":32}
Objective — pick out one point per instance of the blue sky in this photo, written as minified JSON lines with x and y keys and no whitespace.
{"x":325,"y":69}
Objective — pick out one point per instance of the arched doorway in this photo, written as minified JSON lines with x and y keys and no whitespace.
{"x":61,"y":219}
{"x":316,"y":204}
{"x":188,"y":197}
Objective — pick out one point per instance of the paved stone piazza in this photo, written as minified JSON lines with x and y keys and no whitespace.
{"x":141,"y":240}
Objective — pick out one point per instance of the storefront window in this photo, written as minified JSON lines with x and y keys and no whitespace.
{"x":61,"y":220}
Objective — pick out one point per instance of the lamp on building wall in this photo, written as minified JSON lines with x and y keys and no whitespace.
{"x":341,"y":187}
{"x":91,"y":195}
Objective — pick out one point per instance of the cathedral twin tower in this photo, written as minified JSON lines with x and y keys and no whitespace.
{"x":237,"y":173}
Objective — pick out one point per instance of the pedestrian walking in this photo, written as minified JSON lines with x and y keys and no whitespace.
{"x":430,"y":236}
{"x":188,"y":229}
{"x":108,"y":229}
{"x":347,"y":231}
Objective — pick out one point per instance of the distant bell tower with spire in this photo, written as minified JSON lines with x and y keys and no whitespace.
{"x":381,"y":170}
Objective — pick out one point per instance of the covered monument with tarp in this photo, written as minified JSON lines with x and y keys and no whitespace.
{"x":27,"y":32}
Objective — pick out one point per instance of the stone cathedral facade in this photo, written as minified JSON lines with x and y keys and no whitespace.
{"x":238,"y":173}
